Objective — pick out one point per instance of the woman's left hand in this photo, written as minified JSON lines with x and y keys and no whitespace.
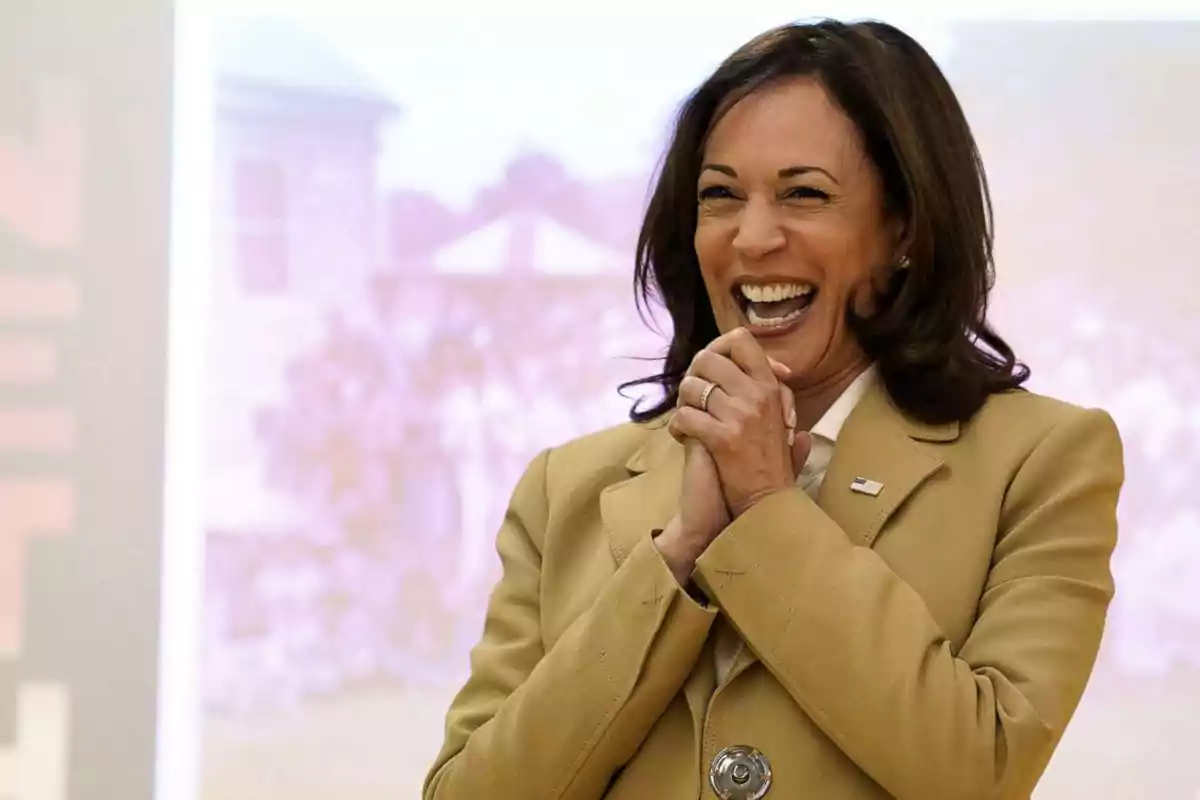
{"x":743,"y":422}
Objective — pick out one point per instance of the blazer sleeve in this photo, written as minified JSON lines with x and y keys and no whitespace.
{"x":859,"y":652}
{"x":532,"y":723}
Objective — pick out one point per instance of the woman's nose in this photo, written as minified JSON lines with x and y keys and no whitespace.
{"x":759,"y":232}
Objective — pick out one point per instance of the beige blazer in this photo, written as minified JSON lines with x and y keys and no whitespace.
{"x":930,"y":642}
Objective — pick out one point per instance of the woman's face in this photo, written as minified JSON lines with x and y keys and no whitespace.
{"x":791,"y":225}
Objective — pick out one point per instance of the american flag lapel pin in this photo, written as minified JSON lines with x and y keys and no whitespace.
{"x":866,"y":486}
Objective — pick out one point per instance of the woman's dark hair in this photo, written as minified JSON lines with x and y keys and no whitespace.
{"x":928,"y":335}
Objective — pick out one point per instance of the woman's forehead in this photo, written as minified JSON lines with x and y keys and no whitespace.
{"x":785,"y":124}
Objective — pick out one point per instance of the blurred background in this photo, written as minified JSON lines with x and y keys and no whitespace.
{"x":290,"y":296}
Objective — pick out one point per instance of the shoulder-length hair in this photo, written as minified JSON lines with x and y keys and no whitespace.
{"x":929,"y":336}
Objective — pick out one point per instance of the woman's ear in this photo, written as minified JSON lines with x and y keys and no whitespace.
{"x":899,"y":242}
{"x":897,"y":248}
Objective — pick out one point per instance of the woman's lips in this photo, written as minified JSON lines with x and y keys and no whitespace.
{"x":774,"y":307}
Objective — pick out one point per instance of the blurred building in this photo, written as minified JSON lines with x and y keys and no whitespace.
{"x":296,"y":233}
{"x":520,"y":311}
{"x":382,"y":371}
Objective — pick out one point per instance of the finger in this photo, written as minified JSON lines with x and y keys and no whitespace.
{"x":786,"y":398}
{"x":673,"y":429}
{"x":691,"y":393}
{"x":782,"y":371}
{"x":712,"y":366}
{"x":740,"y":346}
{"x":787,"y":401}
{"x":692,"y":423}
{"x":801,"y":448}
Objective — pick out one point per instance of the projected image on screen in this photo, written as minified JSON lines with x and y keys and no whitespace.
{"x":418,"y":286}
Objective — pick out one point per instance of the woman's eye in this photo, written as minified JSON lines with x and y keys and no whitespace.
{"x":715,"y":193}
{"x":806,"y":193}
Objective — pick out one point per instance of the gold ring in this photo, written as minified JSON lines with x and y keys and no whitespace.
{"x":704,"y":395}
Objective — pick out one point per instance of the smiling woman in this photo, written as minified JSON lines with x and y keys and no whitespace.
{"x":764,"y":231}
{"x":845,"y":156}
{"x":846,"y":555}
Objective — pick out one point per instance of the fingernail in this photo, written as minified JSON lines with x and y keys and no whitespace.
{"x":791,"y":437}
{"x":791,"y":418}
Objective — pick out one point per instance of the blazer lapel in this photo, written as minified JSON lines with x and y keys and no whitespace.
{"x":646,"y":501}
{"x":879,"y":443}
{"x":699,"y":685}
{"x":648,"y":498}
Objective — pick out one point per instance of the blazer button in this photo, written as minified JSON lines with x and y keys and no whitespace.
{"x":740,"y":773}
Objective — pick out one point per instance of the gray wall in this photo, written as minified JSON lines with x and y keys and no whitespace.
{"x":84,"y":210}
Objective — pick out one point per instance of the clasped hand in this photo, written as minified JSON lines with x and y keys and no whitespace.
{"x":740,"y":439}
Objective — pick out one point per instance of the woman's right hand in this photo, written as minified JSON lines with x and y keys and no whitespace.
{"x":702,"y":511}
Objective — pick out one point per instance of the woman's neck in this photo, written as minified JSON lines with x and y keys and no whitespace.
{"x":813,"y":400}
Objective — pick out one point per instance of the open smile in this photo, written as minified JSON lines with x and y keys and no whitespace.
{"x":774,"y":308}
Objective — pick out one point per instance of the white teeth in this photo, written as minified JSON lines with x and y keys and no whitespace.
{"x":775,"y":292}
{"x":771,"y":322}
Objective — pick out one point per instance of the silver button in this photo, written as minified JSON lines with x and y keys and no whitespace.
{"x":740,"y":773}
